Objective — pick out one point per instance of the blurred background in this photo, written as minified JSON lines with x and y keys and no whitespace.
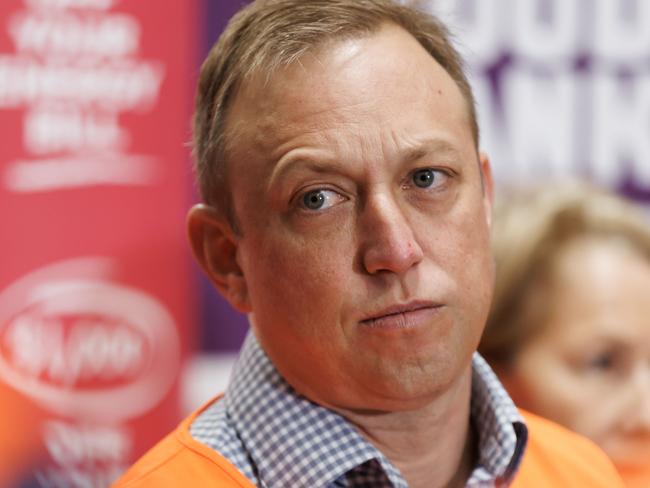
{"x":109,"y":333}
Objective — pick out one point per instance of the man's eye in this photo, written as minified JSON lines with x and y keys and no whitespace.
{"x":424,"y":178}
{"x":320,"y":199}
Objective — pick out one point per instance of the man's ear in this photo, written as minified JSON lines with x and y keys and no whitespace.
{"x":488,"y":186}
{"x":215,"y":247}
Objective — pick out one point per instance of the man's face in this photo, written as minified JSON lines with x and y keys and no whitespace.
{"x":364,"y":227}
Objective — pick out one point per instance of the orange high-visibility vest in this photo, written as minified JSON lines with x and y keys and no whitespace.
{"x":637,"y":476}
{"x":554,"y":457}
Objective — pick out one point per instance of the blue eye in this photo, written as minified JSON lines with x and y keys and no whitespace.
{"x":320,"y":199}
{"x":424,"y":178}
{"x":313,"y":200}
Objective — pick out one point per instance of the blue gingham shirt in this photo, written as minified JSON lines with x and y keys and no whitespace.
{"x":277,"y":438}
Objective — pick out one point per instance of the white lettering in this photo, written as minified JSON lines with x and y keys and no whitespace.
{"x":75,"y":70}
{"x":540,"y":118}
{"x":26,"y":176}
{"x":68,"y":4}
{"x":621,"y":126}
{"x":72,"y":34}
{"x":492,"y":126}
{"x":92,"y":349}
{"x":545,"y":30}
{"x":622,"y":33}
{"x":113,"y":86}
{"x":74,"y":445}
{"x":66,"y":128}
{"x":571,"y":86}
{"x":97,"y":477}
{"x":478,"y":27}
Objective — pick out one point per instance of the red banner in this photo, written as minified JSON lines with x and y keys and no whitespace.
{"x":95,"y":98}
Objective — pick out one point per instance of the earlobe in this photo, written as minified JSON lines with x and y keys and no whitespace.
{"x":215,"y":248}
{"x":488,"y":186}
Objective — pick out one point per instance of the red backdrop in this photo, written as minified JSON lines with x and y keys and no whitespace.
{"x":95,"y":314}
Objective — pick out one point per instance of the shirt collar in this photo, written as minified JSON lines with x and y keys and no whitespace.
{"x":295,"y":442}
{"x":501,"y":429}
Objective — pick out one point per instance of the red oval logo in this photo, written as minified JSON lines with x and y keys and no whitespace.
{"x":83,"y":345}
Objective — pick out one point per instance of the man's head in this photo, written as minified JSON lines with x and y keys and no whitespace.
{"x":268,"y":35}
{"x":362,"y":249}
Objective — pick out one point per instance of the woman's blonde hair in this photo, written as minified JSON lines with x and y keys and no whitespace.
{"x":530,"y":229}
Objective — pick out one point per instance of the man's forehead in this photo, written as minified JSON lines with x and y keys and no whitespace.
{"x":337,"y":74}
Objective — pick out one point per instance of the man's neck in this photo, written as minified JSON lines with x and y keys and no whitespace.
{"x":433,"y":446}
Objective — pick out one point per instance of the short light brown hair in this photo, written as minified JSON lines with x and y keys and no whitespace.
{"x":269,"y":34}
{"x":530,"y":230}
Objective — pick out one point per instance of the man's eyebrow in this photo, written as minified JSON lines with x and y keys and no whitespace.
{"x":438,"y":147}
{"x":311,"y":163}
{"x":319,"y":164}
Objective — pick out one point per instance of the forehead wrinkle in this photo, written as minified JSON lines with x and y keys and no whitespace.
{"x":432,"y":147}
{"x":266,"y":105}
{"x":321,"y":151}
{"x":412,"y":148}
{"x":266,"y":115}
{"x":273,"y":125}
{"x":332,"y":164}
{"x":309,"y":164}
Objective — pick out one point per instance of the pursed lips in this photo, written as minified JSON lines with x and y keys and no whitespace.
{"x":402,"y":315}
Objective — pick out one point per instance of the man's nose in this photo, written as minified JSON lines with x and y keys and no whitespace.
{"x":388,"y":240}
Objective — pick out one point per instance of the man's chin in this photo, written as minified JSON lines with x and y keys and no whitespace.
{"x":413,"y":385}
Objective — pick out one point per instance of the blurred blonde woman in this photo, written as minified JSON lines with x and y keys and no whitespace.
{"x":569,"y":330}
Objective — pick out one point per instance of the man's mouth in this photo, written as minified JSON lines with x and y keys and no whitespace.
{"x":402,"y":316}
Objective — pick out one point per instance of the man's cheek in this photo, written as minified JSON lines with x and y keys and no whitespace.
{"x":303,"y":268}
